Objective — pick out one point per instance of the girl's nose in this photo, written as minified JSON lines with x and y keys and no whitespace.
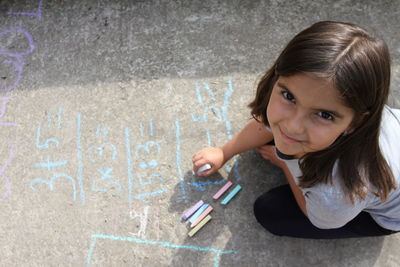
{"x":296,"y":125}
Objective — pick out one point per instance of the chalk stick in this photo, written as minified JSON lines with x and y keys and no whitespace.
{"x":201,"y":217}
{"x":231,"y":195}
{"x":203,"y":168}
{"x":222,"y":190}
{"x":199,"y":226}
{"x":192,"y":210}
{"x":198,"y":212}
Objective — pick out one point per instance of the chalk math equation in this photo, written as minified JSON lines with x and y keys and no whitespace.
{"x":144,"y":180}
{"x":140,"y":156}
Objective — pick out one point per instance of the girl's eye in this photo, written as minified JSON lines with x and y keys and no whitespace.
{"x":325,"y":115}
{"x":288,"y":96}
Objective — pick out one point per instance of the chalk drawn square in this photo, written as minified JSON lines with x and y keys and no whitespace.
{"x":107,"y":250}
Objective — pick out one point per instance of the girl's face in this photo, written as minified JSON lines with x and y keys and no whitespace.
{"x":306,"y":114}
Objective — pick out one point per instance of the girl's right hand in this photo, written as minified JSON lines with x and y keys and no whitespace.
{"x":209,"y":155}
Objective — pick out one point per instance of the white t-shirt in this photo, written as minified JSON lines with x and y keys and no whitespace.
{"x":328,"y":207}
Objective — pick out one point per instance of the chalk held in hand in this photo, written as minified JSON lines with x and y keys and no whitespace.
{"x":192,"y":210}
{"x":199,"y":226}
{"x":222,"y":190}
{"x":231,"y":195}
{"x":203,"y":168}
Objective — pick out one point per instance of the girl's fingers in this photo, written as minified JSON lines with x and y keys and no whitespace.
{"x":267,"y":152}
{"x":196,"y":157}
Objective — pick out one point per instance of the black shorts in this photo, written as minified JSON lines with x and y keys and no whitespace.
{"x":278,"y":212}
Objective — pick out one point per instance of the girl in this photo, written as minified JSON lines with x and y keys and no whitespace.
{"x":319,"y":113}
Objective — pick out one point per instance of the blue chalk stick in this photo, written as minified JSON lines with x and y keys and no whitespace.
{"x":231,"y":195}
{"x":192,"y":210}
{"x":198,"y":213}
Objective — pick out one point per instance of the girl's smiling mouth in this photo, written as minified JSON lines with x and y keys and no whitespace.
{"x":288,"y":139}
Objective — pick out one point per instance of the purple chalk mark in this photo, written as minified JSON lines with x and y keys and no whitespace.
{"x":222,"y":190}
{"x":18,"y":61}
{"x":3,"y":111}
{"x":6,"y":180}
{"x":19,"y":69}
{"x":37,"y":14}
{"x":28,"y":36}
{"x":192,"y":210}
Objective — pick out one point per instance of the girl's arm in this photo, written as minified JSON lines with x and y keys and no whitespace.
{"x":251,"y":136}
{"x":298,"y":194}
{"x":268,"y":152}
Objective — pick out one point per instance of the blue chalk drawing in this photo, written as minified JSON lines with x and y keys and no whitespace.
{"x":105,"y":175}
{"x":140,"y":151}
{"x":97,"y":154}
{"x":208,"y":90}
{"x":149,"y":194}
{"x":49,"y":165}
{"x":48,"y":141}
{"x":215,"y":110}
{"x":221,"y":114}
{"x":98,"y":151}
{"x":147,"y":147}
{"x":144,"y":150}
{"x":59,"y":116}
{"x":152,"y":164}
{"x":50,"y":184}
{"x":95,"y":237}
{"x":141,"y":129}
{"x":129,"y":165}
{"x":149,"y":181}
{"x":200,"y":185}
{"x":80,"y":158}
{"x":178,"y":162}
{"x":227,"y":97}
{"x":208,"y":137}
{"x":101,"y":131}
{"x":151,"y":127}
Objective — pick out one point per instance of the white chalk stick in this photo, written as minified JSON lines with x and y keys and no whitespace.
{"x":203,"y":168}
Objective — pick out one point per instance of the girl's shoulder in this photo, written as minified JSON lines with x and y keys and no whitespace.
{"x":389,"y":139}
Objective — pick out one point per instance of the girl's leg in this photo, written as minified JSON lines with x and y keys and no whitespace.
{"x":278,"y":212}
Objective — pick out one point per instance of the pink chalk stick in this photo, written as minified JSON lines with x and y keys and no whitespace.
{"x":204,"y":214}
{"x":222,"y":190}
{"x":192,"y":210}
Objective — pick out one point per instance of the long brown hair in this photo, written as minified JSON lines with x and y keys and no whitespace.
{"x":359,"y":66}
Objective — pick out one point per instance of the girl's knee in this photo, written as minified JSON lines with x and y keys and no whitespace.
{"x":262,"y":210}
{"x":265,"y":218}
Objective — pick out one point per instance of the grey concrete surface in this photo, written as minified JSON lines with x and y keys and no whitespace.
{"x":103,"y":105}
